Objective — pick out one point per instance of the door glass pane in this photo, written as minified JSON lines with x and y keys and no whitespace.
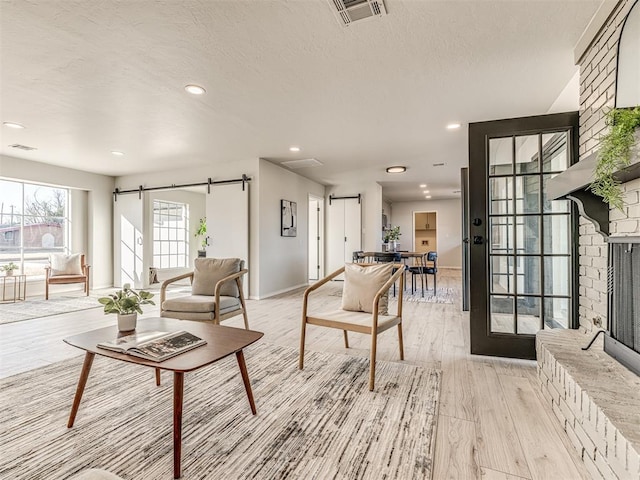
{"x":555,"y":155}
{"x":500,"y":156}
{"x":529,"y":275}
{"x":556,"y":313}
{"x":528,"y":320}
{"x":528,"y":194}
{"x":548,"y":205}
{"x":502,"y":274}
{"x":557,"y":234}
{"x":556,"y":275}
{"x":528,"y":234}
{"x":502,"y":235}
{"x":500,"y":195}
{"x":502,"y":314}
{"x":527,"y":154}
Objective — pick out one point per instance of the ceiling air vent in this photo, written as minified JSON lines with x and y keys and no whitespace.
{"x":350,"y":11}
{"x":22,"y":147}
{"x":307,"y":162}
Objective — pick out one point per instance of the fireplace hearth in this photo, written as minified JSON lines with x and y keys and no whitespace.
{"x":623,"y":339}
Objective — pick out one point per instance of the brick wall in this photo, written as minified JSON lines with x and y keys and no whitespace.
{"x":597,"y":96}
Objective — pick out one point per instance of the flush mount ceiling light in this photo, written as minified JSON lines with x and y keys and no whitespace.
{"x":294,"y":149}
{"x":396,"y":169}
{"x":453,"y":126}
{"x":427,"y":197}
{"x":426,"y":191}
{"x":117,"y":153}
{"x":424,"y":185}
{"x":195,"y":89}
{"x":12,"y":125}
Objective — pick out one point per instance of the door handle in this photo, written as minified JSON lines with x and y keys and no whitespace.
{"x":478,"y":240}
{"x":465,"y":240}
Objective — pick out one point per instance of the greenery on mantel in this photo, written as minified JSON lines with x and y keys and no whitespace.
{"x":615,"y":154}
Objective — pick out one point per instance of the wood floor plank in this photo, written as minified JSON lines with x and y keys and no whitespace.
{"x":457,"y":397}
{"x":498,"y":443}
{"x":545,"y":452}
{"x":490,"y":474}
{"x":455,"y":457}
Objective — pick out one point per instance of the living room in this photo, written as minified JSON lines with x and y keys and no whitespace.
{"x":298,"y":106}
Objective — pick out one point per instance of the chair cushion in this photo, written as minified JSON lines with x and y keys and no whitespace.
{"x":200,"y":304}
{"x":361,"y":284}
{"x":62,"y":264}
{"x":355,"y":318}
{"x":209,"y":271}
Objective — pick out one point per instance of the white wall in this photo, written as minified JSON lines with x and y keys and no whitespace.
{"x":277,"y":263}
{"x":449,"y":218}
{"x":371,"y":210}
{"x":96,"y":222}
{"x":283,"y":260}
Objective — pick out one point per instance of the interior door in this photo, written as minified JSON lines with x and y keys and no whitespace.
{"x":227,"y":208}
{"x":314,"y":239}
{"x":344,"y":232}
{"x":522,"y":252}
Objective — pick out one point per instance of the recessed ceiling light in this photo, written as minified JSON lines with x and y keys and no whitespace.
{"x":195,"y":89}
{"x":117,"y":153}
{"x":426,"y":191}
{"x":396,"y":169}
{"x":424,"y":185}
{"x":12,"y":125}
{"x":294,"y":149}
{"x":427,"y":196}
{"x":453,"y":126}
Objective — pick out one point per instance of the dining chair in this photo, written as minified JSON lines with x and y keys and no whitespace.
{"x":423,"y":270}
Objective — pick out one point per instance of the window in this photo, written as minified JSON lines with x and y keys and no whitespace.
{"x":170,"y":234}
{"x":34,"y":222}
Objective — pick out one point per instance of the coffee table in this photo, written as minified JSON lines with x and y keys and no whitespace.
{"x":221,"y":342}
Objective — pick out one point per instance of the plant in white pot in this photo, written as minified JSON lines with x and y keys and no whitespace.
{"x":126,"y":304}
{"x":9,"y":268}
{"x":201,"y":232}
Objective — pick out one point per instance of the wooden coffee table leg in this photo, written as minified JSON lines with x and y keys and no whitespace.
{"x":178,"y":388}
{"x":245,"y":379}
{"x":84,"y":375}
{"x":157,"y":377}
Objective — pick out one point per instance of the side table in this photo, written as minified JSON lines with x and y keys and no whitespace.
{"x":14,"y":288}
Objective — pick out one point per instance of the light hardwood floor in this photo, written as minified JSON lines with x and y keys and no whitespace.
{"x":492,"y":423}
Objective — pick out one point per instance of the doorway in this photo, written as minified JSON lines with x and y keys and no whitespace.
{"x":425,"y":232}
{"x":523,"y":255}
{"x":316,"y":215}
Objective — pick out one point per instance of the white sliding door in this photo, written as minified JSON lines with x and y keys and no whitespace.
{"x":344,"y":232}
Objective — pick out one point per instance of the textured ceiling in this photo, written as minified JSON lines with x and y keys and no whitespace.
{"x":88,"y":77}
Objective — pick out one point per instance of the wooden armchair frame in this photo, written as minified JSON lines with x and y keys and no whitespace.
{"x":67,"y":279}
{"x":372,"y":328}
{"x":217,"y":317}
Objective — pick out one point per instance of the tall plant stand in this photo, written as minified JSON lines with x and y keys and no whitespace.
{"x":14,"y":288}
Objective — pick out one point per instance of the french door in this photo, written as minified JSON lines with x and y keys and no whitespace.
{"x":522,"y":249}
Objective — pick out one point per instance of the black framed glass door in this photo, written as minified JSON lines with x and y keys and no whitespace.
{"x":522,"y":253}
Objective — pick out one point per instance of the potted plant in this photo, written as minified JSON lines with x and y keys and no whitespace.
{"x":615,"y":153}
{"x":126,"y":304}
{"x":201,"y":231}
{"x":9,"y":268}
{"x":392,"y":236}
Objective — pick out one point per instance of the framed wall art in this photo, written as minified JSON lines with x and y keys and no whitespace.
{"x":289,"y":218}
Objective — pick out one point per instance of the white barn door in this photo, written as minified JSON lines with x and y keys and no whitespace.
{"x":227,"y":210}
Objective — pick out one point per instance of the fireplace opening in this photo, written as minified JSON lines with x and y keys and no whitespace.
{"x":623,"y":341}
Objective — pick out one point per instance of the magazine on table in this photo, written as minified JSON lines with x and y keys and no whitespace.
{"x":154,"y":346}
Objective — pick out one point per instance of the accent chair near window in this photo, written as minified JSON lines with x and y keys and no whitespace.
{"x":66,"y":269}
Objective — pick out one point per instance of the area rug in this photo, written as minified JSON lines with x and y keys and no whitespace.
{"x":442,"y":295}
{"x":319,"y":423}
{"x":28,"y":309}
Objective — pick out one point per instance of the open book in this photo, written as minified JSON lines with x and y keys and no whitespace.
{"x":154,"y":346}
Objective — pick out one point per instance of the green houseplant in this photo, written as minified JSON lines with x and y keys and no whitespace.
{"x":392,"y":236}
{"x":615,"y":153}
{"x":9,"y":268}
{"x":126,"y":304}
{"x":201,"y":233}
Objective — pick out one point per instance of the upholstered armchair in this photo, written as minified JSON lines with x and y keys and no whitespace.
{"x":364,"y":306}
{"x":216,"y":292}
{"x":65,"y":269}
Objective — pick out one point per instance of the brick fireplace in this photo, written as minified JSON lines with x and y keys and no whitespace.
{"x":595,"y":398}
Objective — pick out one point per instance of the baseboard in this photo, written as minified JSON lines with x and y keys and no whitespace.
{"x":284,"y":290}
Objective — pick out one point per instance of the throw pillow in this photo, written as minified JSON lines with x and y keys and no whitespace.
{"x":62,"y":264}
{"x":209,"y":271}
{"x":361,"y":283}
